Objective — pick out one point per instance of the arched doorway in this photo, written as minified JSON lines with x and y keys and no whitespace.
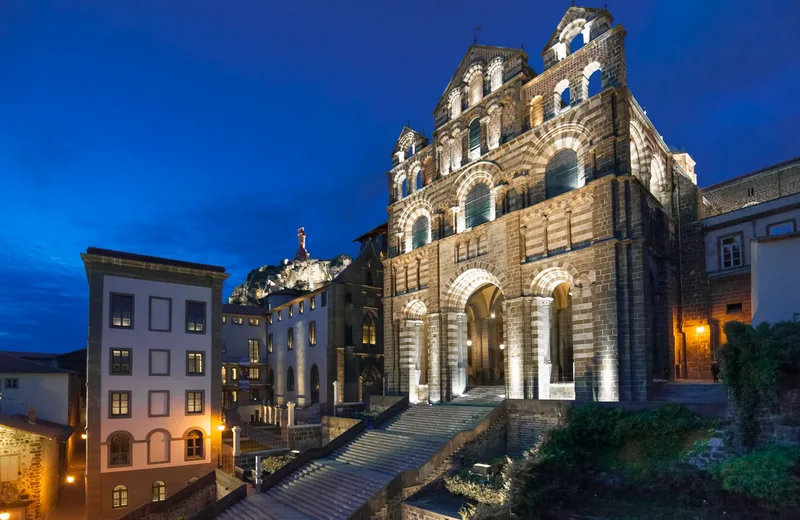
{"x":485,"y":337}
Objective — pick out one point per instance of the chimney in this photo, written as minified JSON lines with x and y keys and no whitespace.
{"x":31,"y":415}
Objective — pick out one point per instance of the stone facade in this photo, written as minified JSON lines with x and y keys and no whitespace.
{"x":611,"y":238}
{"x":34,"y":489}
{"x":332,"y":427}
{"x":304,"y":437}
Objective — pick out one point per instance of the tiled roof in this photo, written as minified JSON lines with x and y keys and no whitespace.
{"x":152,"y":259}
{"x":42,"y":428}
{"x":17,"y":365}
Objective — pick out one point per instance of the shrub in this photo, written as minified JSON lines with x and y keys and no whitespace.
{"x":272,"y":464}
{"x":768,"y":475}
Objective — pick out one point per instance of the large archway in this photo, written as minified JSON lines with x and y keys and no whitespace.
{"x":485,"y":337}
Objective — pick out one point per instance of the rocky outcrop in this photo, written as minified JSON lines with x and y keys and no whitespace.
{"x":300,"y":275}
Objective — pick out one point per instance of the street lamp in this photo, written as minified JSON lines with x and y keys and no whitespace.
{"x":70,"y":479}
{"x":5,"y":516}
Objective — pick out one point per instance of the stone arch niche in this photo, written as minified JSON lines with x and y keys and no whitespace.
{"x":414,"y":350}
{"x":561,"y":315}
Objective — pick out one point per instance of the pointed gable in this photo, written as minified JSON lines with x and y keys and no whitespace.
{"x":590,"y":21}
{"x":408,"y":138}
{"x":478,"y":55}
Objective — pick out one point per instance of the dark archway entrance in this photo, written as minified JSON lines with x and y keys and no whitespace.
{"x":485,"y":342}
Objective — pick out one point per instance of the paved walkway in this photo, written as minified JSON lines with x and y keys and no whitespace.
{"x":71,"y":497}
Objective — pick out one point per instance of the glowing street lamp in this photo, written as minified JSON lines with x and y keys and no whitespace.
{"x":502,"y":346}
{"x":469,"y":342}
{"x":83,"y":436}
{"x":70,"y":479}
{"x":221,"y":427}
{"x":5,"y":516}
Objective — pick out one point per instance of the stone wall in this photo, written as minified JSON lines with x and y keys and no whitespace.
{"x":528,"y":420}
{"x":756,"y":187}
{"x":730,"y":290}
{"x":332,"y":427}
{"x":781,"y":427}
{"x":415,"y":513}
{"x":304,"y":437}
{"x":490,"y":445}
{"x":38,"y":471}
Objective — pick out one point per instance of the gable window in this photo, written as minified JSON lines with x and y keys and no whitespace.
{"x":477,"y":206}
{"x":194,"y":402}
{"x":290,"y":380}
{"x":781,"y":228}
{"x":496,"y":76}
{"x":312,"y":333}
{"x":119,"y":497}
{"x":194,"y":363}
{"x":323,"y":298}
{"x":120,"y":361}
{"x":252,"y":349}
{"x":253,"y":322}
{"x":12,"y":383}
{"x":420,"y":232}
{"x":121,"y":311}
{"x":561,"y":173}
{"x":237,"y":321}
{"x":731,"y":251}
{"x":159,"y":491}
{"x":290,"y":338}
{"x":475,"y":137}
{"x":196,"y":317}
{"x":119,"y":450}
{"x":368,"y":331}
{"x":120,"y":405}
{"x":301,"y":306}
{"x":194,"y":445}
{"x":313,"y":302}
{"x":269,"y":342}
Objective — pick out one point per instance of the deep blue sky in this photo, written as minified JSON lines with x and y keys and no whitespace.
{"x":210,"y":130}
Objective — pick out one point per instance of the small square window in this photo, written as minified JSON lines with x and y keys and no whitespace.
{"x":121,"y":311}
{"x":195,"y":365}
{"x":733,"y":308}
{"x":119,"y":405}
{"x":237,"y":321}
{"x":253,"y":322}
{"x":120,"y":362}
{"x":301,"y":306}
{"x":12,"y":383}
{"x":196,"y":317}
{"x":194,"y":402}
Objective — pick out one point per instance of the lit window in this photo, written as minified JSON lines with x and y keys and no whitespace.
{"x":269,"y":317}
{"x":224,"y":319}
{"x":280,"y":315}
{"x":420,"y":232}
{"x":120,"y":404}
{"x":120,"y":361}
{"x":194,"y":445}
{"x":119,"y":450}
{"x":312,"y":333}
{"x":234,"y":373}
{"x":119,"y":497}
{"x":194,"y":402}
{"x":290,"y":338}
{"x":224,"y":375}
{"x":368,"y":331}
{"x":159,"y":491}
{"x":252,"y":348}
{"x":122,"y":311}
{"x":269,"y":342}
{"x":238,"y":321}
{"x":196,"y":317}
{"x":253,"y":373}
{"x":781,"y":228}
{"x":313,"y":302}
{"x":301,"y":306}
{"x":194,"y":363}
{"x":731,"y":251}
{"x":253,"y":322}
{"x":477,"y":206}
{"x":561,"y":173}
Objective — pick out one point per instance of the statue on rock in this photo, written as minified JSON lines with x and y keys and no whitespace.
{"x":302,"y":254}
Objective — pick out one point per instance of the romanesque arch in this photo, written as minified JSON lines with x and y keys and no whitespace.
{"x":469,"y":279}
{"x":640,"y":154}
{"x":567,"y":135}
{"x":485,"y":172}
{"x":419,"y":208}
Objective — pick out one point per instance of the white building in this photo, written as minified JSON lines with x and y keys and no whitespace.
{"x":153,"y":401}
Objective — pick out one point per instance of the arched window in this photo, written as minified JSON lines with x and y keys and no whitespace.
{"x":536,"y":112}
{"x":368,"y":330}
{"x":477,"y":206}
{"x":119,"y":497}
{"x":561,"y":174}
{"x":314,"y":384}
{"x":194,"y":445}
{"x":476,"y":87}
{"x":562,"y":96}
{"x":511,"y":200}
{"x":368,"y":277}
{"x":576,"y":43}
{"x":290,"y":379}
{"x":561,"y":352}
{"x":420,"y":232}
{"x":410,"y":151}
{"x":475,"y":137}
{"x":592,"y":80}
{"x":159,"y":491}
{"x":404,"y":189}
{"x":119,"y":450}
{"x":496,"y":77}
{"x":455,"y":104}
{"x":419,"y":180}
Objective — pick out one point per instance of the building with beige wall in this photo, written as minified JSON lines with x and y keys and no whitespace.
{"x":153,"y":399}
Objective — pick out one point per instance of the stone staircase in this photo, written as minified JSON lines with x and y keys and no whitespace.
{"x":336,"y":487}
{"x":482,"y":395}
{"x":694,"y":392}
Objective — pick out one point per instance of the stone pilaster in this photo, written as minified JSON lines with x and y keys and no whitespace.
{"x":434,"y":359}
{"x":517,"y":341}
{"x":586,"y":376}
{"x":456,"y":352}
{"x":540,"y":319}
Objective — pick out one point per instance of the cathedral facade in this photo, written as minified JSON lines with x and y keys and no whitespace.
{"x":535,"y":239}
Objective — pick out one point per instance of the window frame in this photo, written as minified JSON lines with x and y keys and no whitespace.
{"x":150,"y":400}
{"x":202,"y":372}
{"x":312,"y":333}
{"x":186,"y":318}
{"x":772,"y":225}
{"x":269,"y":343}
{"x":150,"y":314}
{"x":290,"y":338}
{"x":471,"y":220}
{"x":202,"y":402}
{"x":257,"y":395}
{"x":253,"y":322}
{"x":253,"y":370}
{"x":290,"y":379}
{"x":323,"y":298}
{"x":301,"y":306}
{"x":721,"y":245}
{"x":10,"y":457}
{"x":159,"y":491}
{"x":150,"y":362}
{"x":196,"y":446}
{"x":257,"y":358}
{"x":237,"y":320}
{"x":312,"y":302}
{"x":417,"y":233}
{"x":7,"y":384}
{"x":126,"y":415}
{"x":117,"y":501}
{"x":111,"y":361}
{"x":109,"y":444}
{"x":112,"y":295}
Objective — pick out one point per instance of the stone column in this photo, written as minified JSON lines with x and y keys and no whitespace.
{"x":408,"y":357}
{"x":458,"y":223}
{"x":517,"y":331}
{"x":290,"y":408}
{"x":484,"y":137}
{"x":457,"y":352}
{"x":495,"y":126}
{"x":337,"y":393}
{"x":540,"y":318}
{"x":434,"y":359}
{"x":236,"y":440}
{"x":361,"y":389}
{"x":457,"y":151}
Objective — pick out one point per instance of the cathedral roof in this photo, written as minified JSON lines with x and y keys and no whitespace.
{"x":575,"y":13}
{"x":407,"y":136}
{"x":482,"y":54}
